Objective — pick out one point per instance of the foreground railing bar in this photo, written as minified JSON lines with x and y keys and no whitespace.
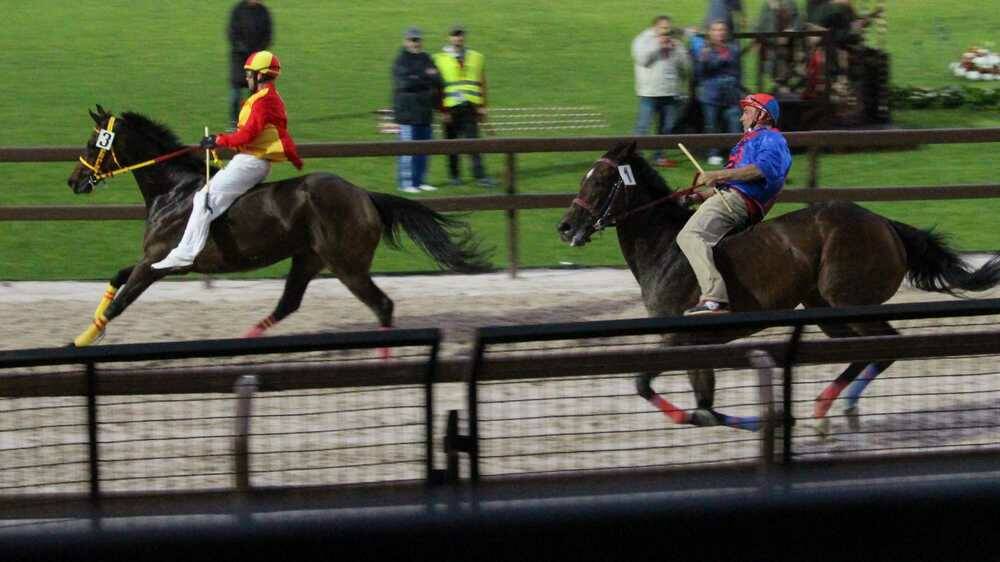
{"x":218,"y":348}
{"x":502,"y":367}
{"x":736,"y":322}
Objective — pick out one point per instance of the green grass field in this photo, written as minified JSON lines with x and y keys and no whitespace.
{"x":169,"y":60}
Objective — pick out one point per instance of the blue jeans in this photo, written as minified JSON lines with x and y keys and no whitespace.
{"x":720,"y":119}
{"x":412,"y":169}
{"x":665,"y":109}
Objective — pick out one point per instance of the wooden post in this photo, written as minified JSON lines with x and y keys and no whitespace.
{"x":813,"y":181}
{"x":765,"y":398}
{"x":245,"y":388}
{"x":512,"y":232}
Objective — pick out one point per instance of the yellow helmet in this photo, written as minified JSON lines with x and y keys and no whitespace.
{"x":264,"y":62}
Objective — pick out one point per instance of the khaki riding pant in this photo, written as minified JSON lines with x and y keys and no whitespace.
{"x":709,"y":224}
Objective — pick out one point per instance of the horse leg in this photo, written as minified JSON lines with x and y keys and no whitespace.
{"x":304,"y":269}
{"x":703,"y":383}
{"x":855,"y":378}
{"x":137,"y":279}
{"x":114,"y":284}
{"x":644,"y":386}
{"x":362,"y":286}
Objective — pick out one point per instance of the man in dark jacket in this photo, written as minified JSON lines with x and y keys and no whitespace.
{"x":416,"y":91}
{"x":249,"y":32}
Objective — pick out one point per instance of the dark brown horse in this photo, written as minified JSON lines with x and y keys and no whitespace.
{"x":319,"y":220}
{"x":829,"y":254}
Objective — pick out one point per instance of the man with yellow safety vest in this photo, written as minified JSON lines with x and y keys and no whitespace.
{"x":464,"y":102}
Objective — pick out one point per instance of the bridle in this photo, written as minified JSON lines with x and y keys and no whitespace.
{"x":105,"y":145}
{"x":604,"y":218}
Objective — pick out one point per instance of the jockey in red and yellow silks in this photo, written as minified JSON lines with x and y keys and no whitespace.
{"x":260,"y":139}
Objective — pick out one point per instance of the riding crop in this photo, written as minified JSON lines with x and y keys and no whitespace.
{"x":701,"y":171}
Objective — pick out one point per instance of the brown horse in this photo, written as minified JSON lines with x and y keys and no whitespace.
{"x":319,"y":220}
{"x":829,"y":254}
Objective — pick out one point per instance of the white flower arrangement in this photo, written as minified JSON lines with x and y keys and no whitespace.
{"x":978,"y":63}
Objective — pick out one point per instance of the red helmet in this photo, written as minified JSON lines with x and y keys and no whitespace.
{"x":264,"y":62}
{"x":763,"y":102}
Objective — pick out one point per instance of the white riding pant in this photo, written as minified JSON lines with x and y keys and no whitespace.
{"x":236,"y":178}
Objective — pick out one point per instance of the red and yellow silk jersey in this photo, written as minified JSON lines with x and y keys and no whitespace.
{"x":262,"y":129}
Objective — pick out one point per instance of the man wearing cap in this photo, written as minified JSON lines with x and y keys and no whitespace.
{"x":464,"y":99}
{"x":734,"y":197}
{"x":416,"y":91}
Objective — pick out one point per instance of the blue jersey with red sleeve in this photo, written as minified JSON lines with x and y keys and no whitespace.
{"x":768,"y":150}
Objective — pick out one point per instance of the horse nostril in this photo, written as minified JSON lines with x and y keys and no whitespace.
{"x":563,"y":227}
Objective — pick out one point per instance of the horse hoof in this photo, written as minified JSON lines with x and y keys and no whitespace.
{"x":853,"y":419}
{"x":823,"y":428}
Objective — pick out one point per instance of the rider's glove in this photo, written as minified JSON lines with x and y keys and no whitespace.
{"x":692,"y":198}
{"x":208,"y":142}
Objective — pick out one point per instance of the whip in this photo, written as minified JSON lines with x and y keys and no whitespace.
{"x":208,"y":173}
{"x":701,"y":171}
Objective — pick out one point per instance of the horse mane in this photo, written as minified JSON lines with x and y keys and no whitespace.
{"x":647,"y":177}
{"x":162,"y":138}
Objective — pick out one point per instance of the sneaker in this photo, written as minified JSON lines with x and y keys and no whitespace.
{"x":172,"y":261}
{"x":410,"y":189}
{"x":427,"y":187}
{"x":486,"y":182}
{"x":708,"y":307}
{"x":455,"y":182}
{"x":714,"y":160}
{"x":666,"y":163}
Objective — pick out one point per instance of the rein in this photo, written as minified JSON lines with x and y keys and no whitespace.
{"x":603,"y":220}
{"x":105,"y":141}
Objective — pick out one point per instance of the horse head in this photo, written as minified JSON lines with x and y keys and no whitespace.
{"x":99,"y":156}
{"x":604,"y":195}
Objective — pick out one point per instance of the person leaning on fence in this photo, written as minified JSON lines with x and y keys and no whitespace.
{"x":261,"y":138}
{"x":249,"y":31}
{"x":662,"y":68}
{"x":734,"y":197}
{"x":464,"y":104}
{"x":717,"y":68}
{"x":416,"y":91}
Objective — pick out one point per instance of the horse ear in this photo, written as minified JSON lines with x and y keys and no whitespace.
{"x":101,"y":111}
{"x":95,"y":117}
{"x":630,"y":148}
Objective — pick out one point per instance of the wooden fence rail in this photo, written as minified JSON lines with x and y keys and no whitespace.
{"x":511,"y":201}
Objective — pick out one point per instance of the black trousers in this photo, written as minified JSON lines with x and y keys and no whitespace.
{"x":464,"y":125}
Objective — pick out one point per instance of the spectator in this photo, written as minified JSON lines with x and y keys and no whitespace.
{"x":662,"y":68}
{"x":719,"y":91}
{"x":249,"y":31}
{"x":416,"y":90}
{"x":464,"y":78}
{"x":723,"y":10}
{"x":778,"y":15}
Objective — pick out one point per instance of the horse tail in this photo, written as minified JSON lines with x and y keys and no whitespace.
{"x":933,"y":266}
{"x":449,"y":241}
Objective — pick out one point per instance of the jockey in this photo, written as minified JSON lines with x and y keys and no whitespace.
{"x":261,"y":137}
{"x":735,"y":197}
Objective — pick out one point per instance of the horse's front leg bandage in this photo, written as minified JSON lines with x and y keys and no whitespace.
{"x":94,"y":331}
{"x":109,"y":295}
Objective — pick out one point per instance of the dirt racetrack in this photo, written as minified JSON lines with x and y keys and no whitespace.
{"x":46,"y":314}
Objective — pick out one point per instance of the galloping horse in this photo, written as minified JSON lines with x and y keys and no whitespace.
{"x":319,"y":220}
{"x":829,"y":254}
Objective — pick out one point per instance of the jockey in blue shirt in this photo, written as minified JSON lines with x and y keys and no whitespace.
{"x":734,"y":197}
